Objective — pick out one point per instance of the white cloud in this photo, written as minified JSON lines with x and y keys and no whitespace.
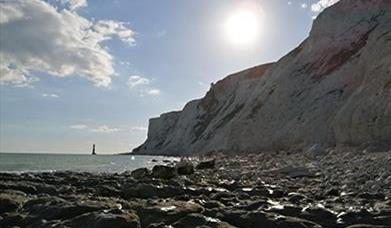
{"x":125,"y":63}
{"x":78,"y":126}
{"x":136,"y":129}
{"x":52,"y":95}
{"x":110,"y":28}
{"x":304,"y":5}
{"x":322,"y":4}
{"x":15,"y":77}
{"x":136,"y":80}
{"x":71,"y":5}
{"x":153,"y":92}
{"x":105,"y":129}
{"x":37,"y":36}
{"x":75,"y":4}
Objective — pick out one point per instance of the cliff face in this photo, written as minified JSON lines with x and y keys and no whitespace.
{"x":334,"y":89}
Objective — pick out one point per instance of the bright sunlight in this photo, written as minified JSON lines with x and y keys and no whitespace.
{"x":242,"y":28}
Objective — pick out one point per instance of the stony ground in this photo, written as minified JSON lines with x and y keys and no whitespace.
{"x":332,"y":189}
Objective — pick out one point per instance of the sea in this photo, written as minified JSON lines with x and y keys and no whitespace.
{"x":35,"y":162}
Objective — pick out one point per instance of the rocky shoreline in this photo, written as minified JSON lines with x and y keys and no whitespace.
{"x":328,"y":189}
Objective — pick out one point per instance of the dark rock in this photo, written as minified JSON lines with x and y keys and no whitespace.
{"x":163,"y":172}
{"x":287,"y":210}
{"x":366,"y":226}
{"x":259,"y":219}
{"x":146,"y":191}
{"x":10,"y":202}
{"x":167,"y":212}
{"x":48,"y":189}
{"x":277,"y":193}
{"x":255,"y":205}
{"x":197,"y":220}
{"x":185,"y":169}
{"x":106,"y":190}
{"x":292,"y":222}
{"x":140,"y":173}
{"x":51,"y":208}
{"x":295,"y":172}
{"x":321,"y":215}
{"x":356,"y":217}
{"x":222,"y":195}
{"x":371,"y":196}
{"x":13,"y":219}
{"x":332,"y":192}
{"x":22,"y":186}
{"x":102,"y":220}
{"x":212,"y":204}
{"x":210,"y":164}
{"x":296,"y":198}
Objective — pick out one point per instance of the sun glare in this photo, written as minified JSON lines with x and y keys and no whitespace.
{"x":242,"y":28}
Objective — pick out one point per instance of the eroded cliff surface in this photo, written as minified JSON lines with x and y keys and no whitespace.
{"x":334,"y":89}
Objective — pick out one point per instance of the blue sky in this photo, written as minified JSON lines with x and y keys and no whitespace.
{"x":76,"y":72}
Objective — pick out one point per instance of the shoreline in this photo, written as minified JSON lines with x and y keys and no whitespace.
{"x":333,"y":189}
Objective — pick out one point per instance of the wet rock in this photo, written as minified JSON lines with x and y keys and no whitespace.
{"x":101,"y":220}
{"x":371,"y":196}
{"x":296,"y":198}
{"x":146,"y":191}
{"x":51,"y":208}
{"x":321,"y":215}
{"x":255,"y":205}
{"x":241,"y":193}
{"x":212,"y":204}
{"x":366,"y":226}
{"x":332,"y":192}
{"x":163,"y":172}
{"x":258,"y":219}
{"x":185,"y":168}
{"x":140,"y":173}
{"x":222,"y":195}
{"x":209,"y":164}
{"x":48,"y":189}
{"x":295,"y":172}
{"x":196,"y":220}
{"x":167,"y":212}
{"x":13,"y":219}
{"x":22,"y":186}
{"x":287,"y":210}
{"x":11,"y":202}
{"x":356,"y":217}
{"x":295,"y":222}
{"x":106,"y":190}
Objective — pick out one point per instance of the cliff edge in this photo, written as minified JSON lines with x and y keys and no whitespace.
{"x":332,"y":90}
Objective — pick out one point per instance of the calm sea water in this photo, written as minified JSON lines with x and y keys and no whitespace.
{"x":59,"y":162}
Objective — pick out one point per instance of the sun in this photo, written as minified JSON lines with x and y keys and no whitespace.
{"x":242,"y":28}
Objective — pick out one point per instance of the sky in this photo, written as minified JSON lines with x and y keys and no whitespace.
{"x":75,"y":73}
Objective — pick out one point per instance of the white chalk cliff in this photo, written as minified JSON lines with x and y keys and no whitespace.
{"x":332,"y":90}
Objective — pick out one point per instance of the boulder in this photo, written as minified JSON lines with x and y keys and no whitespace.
{"x":167,"y":212}
{"x":163,"y":172}
{"x":148,"y":191}
{"x":11,"y":202}
{"x":198,"y":220}
{"x":140,"y":173}
{"x":209,"y":164}
{"x":185,"y":168}
{"x":103,"y":220}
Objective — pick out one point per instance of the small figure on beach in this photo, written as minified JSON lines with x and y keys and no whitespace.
{"x":93,"y":149}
